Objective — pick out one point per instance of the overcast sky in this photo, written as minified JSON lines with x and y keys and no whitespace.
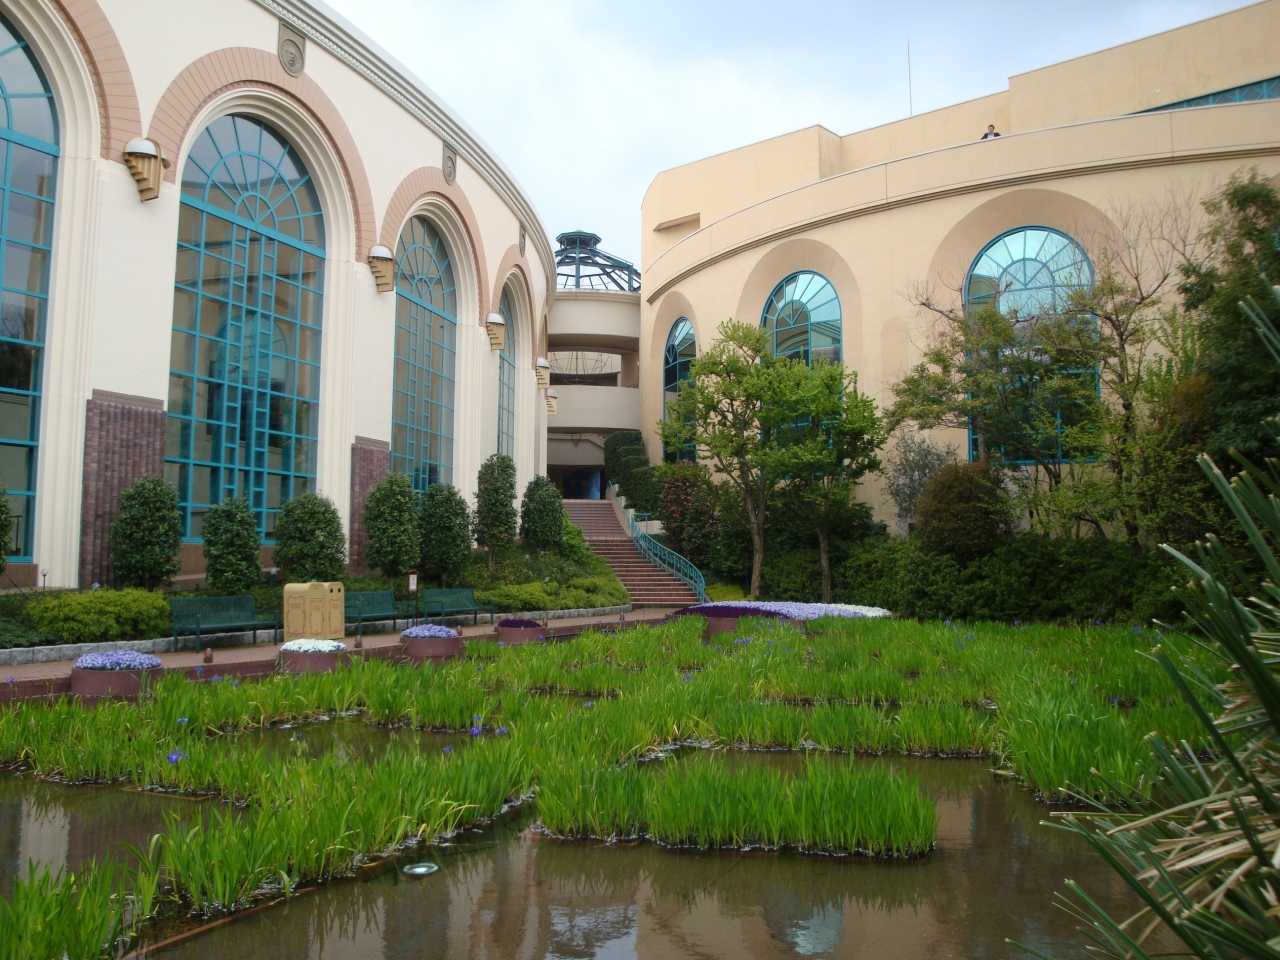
{"x":586,"y":102}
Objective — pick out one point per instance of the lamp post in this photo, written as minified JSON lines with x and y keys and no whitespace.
{"x":44,"y":579}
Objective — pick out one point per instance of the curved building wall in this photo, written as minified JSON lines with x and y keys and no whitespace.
{"x":380,"y":147}
{"x":887,"y":230}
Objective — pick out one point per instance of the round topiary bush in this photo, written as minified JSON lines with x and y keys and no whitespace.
{"x":391,"y":522}
{"x":146,"y":534}
{"x":310,"y":544}
{"x":542,"y":515}
{"x":963,"y":511}
{"x":232,"y":547}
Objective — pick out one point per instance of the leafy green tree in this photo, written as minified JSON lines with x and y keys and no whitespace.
{"x":964,"y":511}
{"x":912,"y":461}
{"x":146,"y":534}
{"x":542,"y":515}
{"x":444,"y":525}
{"x":391,"y":522}
{"x":495,"y":517}
{"x":6,"y":526}
{"x":310,"y":544}
{"x":232,"y":547}
{"x":739,"y":409}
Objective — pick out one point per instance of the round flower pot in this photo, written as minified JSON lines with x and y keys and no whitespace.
{"x":117,"y":684}
{"x":435,"y":649}
{"x":514,"y":635}
{"x":716,"y":625}
{"x":291,"y":662}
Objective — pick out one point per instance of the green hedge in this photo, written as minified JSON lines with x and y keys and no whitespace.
{"x":627,"y":465}
{"x":101,"y":615}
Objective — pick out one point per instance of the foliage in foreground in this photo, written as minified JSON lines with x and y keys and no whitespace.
{"x":232,"y":547}
{"x":146,"y":534}
{"x":310,"y":544}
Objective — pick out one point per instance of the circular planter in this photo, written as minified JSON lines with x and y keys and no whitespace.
{"x":117,"y":684}
{"x":310,"y":662}
{"x":435,"y":649}
{"x":514,"y":635}
{"x":717,"y":625}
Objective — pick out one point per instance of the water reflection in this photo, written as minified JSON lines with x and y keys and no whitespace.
{"x":348,"y":739}
{"x":993,"y":877}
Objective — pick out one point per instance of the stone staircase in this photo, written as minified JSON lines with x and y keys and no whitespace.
{"x":648,"y":584}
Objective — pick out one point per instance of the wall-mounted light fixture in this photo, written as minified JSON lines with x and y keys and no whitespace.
{"x":552,"y":402}
{"x":146,"y":161}
{"x":542,"y":370}
{"x":383,"y":264}
{"x":496,"y":327}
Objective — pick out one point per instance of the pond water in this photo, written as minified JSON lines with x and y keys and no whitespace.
{"x":349,"y":739}
{"x":505,"y":893}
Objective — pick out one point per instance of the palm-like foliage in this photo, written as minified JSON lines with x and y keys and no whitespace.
{"x":1207,"y":864}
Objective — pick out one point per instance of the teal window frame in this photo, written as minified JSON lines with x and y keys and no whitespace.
{"x":29,"y":135}
{"x":1268,"y":89}
{"x":425,"y":356}
{"x":244,"y":370}
{"x":681,"y":350}
{"x":803,"y":308}
{"x":507,"y":379}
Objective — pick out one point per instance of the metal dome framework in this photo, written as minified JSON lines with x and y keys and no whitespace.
{"x":582,"y":265}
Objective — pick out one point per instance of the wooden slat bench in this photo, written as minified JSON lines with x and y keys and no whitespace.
{"x":199,"y":615}
{"x":378,"y":605}
{"x":448,"y":603}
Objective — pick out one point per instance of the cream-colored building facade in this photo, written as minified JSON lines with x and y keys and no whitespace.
{"x":426,"y":275}
{"x":886,"y":212}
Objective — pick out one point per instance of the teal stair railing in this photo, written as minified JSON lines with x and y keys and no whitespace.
{"x":664,"y":557}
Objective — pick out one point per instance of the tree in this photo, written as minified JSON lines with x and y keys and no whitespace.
{"x":310,"y":544}
{"x":146,"y":534}
{"x":232,"y":547}
{"x":6,"y":525}
{"x":964,"y":511}
{"x":913,"y":460}
{"x":391,"y":521}
{"x":738,"y":408}
{"x":542,"y":515}
{"x":495,"y":517}
{"x":445,"y":531}
{"x":831,"y":447}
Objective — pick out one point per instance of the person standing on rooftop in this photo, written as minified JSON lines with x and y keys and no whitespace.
{"x":991,"y":132}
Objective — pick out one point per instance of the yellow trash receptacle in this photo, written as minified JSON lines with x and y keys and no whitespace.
{"x":314,"y":611}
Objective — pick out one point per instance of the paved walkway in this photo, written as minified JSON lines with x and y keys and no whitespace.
{"x":39,"y":678}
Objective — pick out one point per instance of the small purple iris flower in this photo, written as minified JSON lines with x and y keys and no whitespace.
{"x":235,"y":682}
{"x":175,"y":756}
{"x":1097,"y":623}
{"x":589,"y":703}
{"x":786,"y":649}
{"x":199,"y":671}
{"x":480,"y":666}
{"x":501,"y":644}
{"x":946,"y":623}
{"x":448,"y":749}
{"x":502,"y":731}
{"x":475,"y":731}
{"x":477,"y":718}
{"x":970,"y":636}
{"x":215,"y":678}
{"x":12,"y":680}
{"x":183,"y":720}
{"x":720,"y":648}
{"x":961,"y":642}
{"x":687,"y":676}
{"x":1115,"y":699}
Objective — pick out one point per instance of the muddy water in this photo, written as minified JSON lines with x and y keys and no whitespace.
{"x":351,"y":740}
{"x":506,"y":893}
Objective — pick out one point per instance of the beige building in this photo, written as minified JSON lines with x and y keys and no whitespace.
{"x":823,"y":238}
{"x":245,"y":248}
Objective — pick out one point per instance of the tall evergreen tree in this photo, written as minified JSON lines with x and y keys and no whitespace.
{"x":391,"y":522}
{"x":232,"y":547}
{"x":495,"y":523}
{"x":446,"y":540}
{"x":146,"y":534}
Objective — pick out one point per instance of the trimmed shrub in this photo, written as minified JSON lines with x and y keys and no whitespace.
{"x":627,"y":465}
{"x":542,"y":515}
{"x":963,"y":511}
{"x":310,"y":544}
{"x":391,"y":522}
{"x":232,"y":547}
{"x":444,"y":526}
{"x":573,"y":542}
{"x":146,"y":534}
{"x":495,"y":519}
{"x":99,"y":616}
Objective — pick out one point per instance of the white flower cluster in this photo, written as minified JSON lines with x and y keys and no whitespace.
{"x":313,"y":646}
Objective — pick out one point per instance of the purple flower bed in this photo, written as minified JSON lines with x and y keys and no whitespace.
{"x":517,"y":622}
{"x":781,"y":608}
{"x":118,"y":660}
{"x":428,"y":630}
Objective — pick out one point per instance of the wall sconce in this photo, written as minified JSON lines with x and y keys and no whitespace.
{"x":146,"y":162}
{"x":383,"y":264}
{"x":552,"y":402}
{"x":542,"y":370}
{"x":496,"y":327}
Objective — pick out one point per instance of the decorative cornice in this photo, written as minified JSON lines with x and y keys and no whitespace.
{"x":334,"y":33}
{"x":954,"y":190}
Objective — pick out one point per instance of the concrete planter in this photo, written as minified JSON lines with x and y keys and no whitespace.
{"x":516,"y":635}
{"x":113,"y":684}
{"x":311,"y":662}
{"x":435,"y":649}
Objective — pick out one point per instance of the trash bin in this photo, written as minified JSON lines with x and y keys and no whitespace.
{"x":314,"y":611}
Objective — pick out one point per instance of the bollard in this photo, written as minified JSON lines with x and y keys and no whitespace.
{"x":208,"y":654}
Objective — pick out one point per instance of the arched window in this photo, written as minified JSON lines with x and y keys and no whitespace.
{"x":29,"y":158}
{"x":244,"y":377}
{"x":507,"y":379}
{"x":682,"y":348}
{"x":426,"y":339}
{"x":1028,"y":272}
{"x":802,"y":317}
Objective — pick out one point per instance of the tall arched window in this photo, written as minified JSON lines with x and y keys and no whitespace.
{"x":802,"y":317}
{"x":1030,"y":271}
{"x":29,"y":158}
{"x":426,"y":339}
{"x":681,"y":349}
{"x":244,"y":378}
{"x":507,"y":379}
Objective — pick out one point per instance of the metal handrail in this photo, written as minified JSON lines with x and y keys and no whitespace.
{"x":664,"y":557}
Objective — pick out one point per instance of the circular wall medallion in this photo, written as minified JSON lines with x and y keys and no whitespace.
{"x":450,"y":168}
{"x":291,"y":57}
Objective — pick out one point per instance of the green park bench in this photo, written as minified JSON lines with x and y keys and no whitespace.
{"x":378,"y":605}
{"x":448,"y":603}
{"x":200,"y":615}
